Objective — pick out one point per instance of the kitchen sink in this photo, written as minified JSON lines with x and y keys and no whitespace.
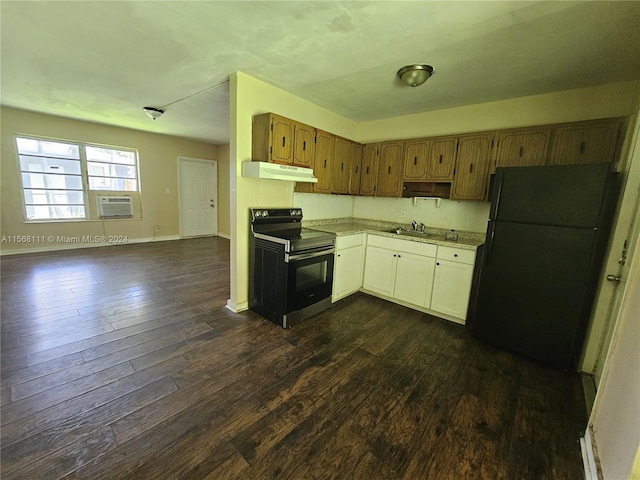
{"x":411,"y":233}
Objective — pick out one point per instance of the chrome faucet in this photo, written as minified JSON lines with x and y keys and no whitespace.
{"x":414,"y":225}
{"x":422,"y":227}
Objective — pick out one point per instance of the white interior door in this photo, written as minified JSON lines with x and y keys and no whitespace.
{"x":198,"y":180}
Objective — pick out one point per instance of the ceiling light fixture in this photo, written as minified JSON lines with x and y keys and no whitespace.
{"x":415,"y":75}
{"x":152,"y":112}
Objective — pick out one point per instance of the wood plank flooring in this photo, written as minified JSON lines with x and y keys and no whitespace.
{"x":123,"y":363}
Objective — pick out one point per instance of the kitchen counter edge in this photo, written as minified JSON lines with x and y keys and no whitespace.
{"x":471,"y":242}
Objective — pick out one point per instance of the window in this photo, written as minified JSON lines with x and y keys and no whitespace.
{"x":57,"y":175}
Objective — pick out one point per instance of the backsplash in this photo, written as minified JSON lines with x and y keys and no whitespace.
{"x":451,"y":214}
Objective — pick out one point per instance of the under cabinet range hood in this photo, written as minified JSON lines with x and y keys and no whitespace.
{"x":274,"y":171}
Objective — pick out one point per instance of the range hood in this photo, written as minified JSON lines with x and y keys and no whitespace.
{"x":274,"y":171}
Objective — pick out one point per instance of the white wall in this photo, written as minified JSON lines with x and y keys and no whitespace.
{"x":615,"y":420}
{"x":451,"y":214}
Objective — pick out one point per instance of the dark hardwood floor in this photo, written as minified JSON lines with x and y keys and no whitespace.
{"x":122,"y":362}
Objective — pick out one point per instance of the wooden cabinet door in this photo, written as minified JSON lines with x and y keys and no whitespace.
{"x":341,"y":166}
{"x":369,"y":170}
{"x":451,"y":288}
{"x":472,"y":167}
{"x":325,"y":145}
{"x":304,"y":145}
{"x":414,"y":279}
{"x":272,"y":139}
{"x":442,"y":159}
{"x":587,"y":142}
{"x":380,"y":270}
{"x":356,"y":168}
{"x":282,"y":132}
{"x":416,"y":156}
{"x":522,"y":147}
{"x":390,"y":170}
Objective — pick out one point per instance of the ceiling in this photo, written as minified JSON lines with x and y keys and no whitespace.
{"x":102,"y":61}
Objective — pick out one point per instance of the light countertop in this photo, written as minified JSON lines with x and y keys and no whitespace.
{"x":342,"y":226}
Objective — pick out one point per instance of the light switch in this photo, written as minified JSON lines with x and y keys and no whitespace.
{"x":167,"y":190}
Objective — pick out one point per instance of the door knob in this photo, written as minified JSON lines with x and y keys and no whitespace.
{"x":613,"y":278}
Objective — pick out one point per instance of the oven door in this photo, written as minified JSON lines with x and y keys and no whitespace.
{"x":309,"y":278}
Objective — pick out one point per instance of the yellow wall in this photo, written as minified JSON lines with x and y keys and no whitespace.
{"x":611,"y":100}
{"x":249,"y":97}
{"x":223,"y":191}
{"x":158,"y":171}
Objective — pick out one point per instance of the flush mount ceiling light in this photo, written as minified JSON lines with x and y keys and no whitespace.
{"x":152,"y":112}
{"x":414,"y":75}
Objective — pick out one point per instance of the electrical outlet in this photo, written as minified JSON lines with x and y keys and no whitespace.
{"x":156,"y":228}
{"x":402,"y":213}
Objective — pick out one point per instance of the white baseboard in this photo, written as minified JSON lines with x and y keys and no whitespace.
{"x":225,"y":235}
{"x":76,"y":245}
{"x":237,"y":307}
{"x":589,"y":456}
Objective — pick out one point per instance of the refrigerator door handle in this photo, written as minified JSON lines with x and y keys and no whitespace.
{"x":491,"y":231}
{"x":495,"y":204}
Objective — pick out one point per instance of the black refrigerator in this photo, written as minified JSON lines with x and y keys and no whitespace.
{"x":546,"y":239}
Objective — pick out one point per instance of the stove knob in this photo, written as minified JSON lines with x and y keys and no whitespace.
{"x":300,"y":212}
{"x":265,"y":213}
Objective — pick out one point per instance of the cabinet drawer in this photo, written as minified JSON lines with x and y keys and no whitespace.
{"x":457,"y":255}
{"x":347,"y":241}
{"x":417,"y":248}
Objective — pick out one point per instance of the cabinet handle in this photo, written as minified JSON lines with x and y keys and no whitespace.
{"x":367,"y":172}
{"x":325,"y":163}
{"x":304,"y":146}
{"x":342,"y":167}
{"x":521,"y":151}
{"x":582,"y":147}
{"x":389,"y":169}
{"x":415,"y":160}
{"x":356,"y":168}
{"x":455,"y":254}
{"x":471,"y":168}
{"x":437,"y":263}
{"x":440,"y":161}
{"x":398,"y":255}
{"x":283,"y":140}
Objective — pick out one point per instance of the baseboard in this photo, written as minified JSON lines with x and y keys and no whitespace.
{"x":72,"y":245}
{"x":237,"y":307}
{"x":590,"y":460}
{"x":225,"y":235}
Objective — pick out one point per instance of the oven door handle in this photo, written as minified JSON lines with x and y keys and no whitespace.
{"x":288,"y":258}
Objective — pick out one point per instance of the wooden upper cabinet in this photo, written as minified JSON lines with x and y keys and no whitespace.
{"x":356,"y":168}
{"x":304,"y":145}
{"x":472,"y":167}
{"x":442,"y":159}
{"x":416,"y":156}
{"x":390,"y":170}
{"x":369,"y":170}
{"x":522,"y":147}
{"x":279,"y":139}
{"x":325,"y":150}
{"x":586,"y":142}
{"x":341,"y":166}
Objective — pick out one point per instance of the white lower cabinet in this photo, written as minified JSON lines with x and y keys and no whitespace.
{"x":452,"y":282}
{"x":400,"y":269}
{"x":348,"y":265}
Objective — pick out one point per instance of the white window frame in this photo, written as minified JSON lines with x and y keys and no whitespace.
{"x":86,"y":191}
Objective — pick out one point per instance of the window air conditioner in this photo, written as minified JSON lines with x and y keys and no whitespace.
{"x":115,"y":207}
